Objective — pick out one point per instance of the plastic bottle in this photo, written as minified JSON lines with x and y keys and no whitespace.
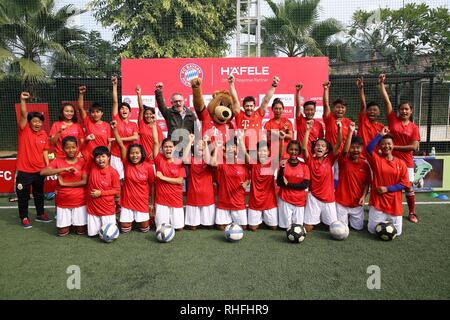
{"x":433,"y":152}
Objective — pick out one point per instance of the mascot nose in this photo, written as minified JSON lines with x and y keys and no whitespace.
{"x":225,"y":114}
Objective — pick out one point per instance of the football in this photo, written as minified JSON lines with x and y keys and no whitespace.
{"x":233,"y":232}
{"x":109,"y":232}
{"x":386,"y":231}
{"x":296,"y":233}
{"x":339,"y":230}
{"x":165,"y":233}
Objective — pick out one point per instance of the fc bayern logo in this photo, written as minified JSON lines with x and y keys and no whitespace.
{"x":190,"y":71}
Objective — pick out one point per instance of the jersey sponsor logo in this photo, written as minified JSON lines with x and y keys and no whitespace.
{"x":190,"y":71}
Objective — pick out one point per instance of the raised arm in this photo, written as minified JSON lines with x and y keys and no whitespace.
{"x":339,"y":137}
{"x":236,"y":106}
{"x":187,"y":149}
{"x":24,"y":96}
{"x":115,"y":105}
{"x":140,"y":103}
{"x":160,"y":99}
{"x":123,"y":150}
{"x":199,"y":103}
{"x":218,"y":145}
{"x":348,"y":141}
{"x":362,"y":95}
{"x":156,"y":141}
{"x":384,"y":94}
{"x":326,"y":99}
{"x":305,"y":151}
{"x":298,"y":111}
{"x":372,"y":144}
{"x":269,"y":95}
{"x":81,"y":93}
{"x":242,"y":147}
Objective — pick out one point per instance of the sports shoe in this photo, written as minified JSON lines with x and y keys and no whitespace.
{"x":413,"y":218}
{"x":26,"y":223}
{"x":43,"y":218}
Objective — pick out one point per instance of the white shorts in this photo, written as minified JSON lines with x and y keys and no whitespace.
{"x":128,"y":215}
{"x":228,"y":216}
{"x":355,"y":215}
{"x":204,"y":215}
{"x":164,"y":214}
{"x":95,"y":223}
{"x":256,"y":217}
{"x":289,"y":214}
{"x":117,"y":164}
{"x":411,"y":174}
{"x":66,"y":217}
{"x":317,"y":211}
{"x":377,"y":216}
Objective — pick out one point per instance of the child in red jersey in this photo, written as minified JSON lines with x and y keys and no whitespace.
{"x":309,"y":110}
{"x":97,"y":131}
{"x":32,"y":157}
{"x":103,"y":185}
{"x":353,"y":183}
{"x":279,"y":123}
{"x":170,"y":174}
{"x":390,"y":177}
{"x":146,"y":118}
{"x":293,"y":179}
{"x":368,"y":124}
{"x":232,"y":181}
{"x":406,"y":137}
{"x":321,"y":201}
{"x":137,"y":185}
{"x":71,"y":188}
{"x":128,"y":130}
{"x":67,"y":125}
{"x":200,"y":206}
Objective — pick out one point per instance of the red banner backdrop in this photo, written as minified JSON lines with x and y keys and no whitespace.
{"x":253,"y":77}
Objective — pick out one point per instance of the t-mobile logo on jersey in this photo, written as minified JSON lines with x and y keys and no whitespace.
{"x":245,"y":124}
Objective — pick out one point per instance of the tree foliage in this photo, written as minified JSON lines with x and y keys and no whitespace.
{"x":400,"y":36}
{"x":31,"y":33}
{"x":169,"y":28}
{"x":295,"y":30}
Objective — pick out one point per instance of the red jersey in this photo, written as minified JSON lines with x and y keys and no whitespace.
{"x":72,"y":130}
{"x":353,"y":177}
{"x":30,"y":149}
{"x":284,"y":125}
{"x":101,"y":131}
{"x":146,"y":138}
{"x":200,"y":191}
{"x":317,"y":131}
{"x":367,"y":130}
{"x":167,"y":194}
{"x":136,"y":186}
{"x":252,"y":125}
{"x":70,"y":197}
{"x":262,"y":188}
{"x":106,"y":180}
{"x":387,"y":173}
{"x":295,"y":174}
{"x":125,"y":129}
{"x":403,"y":135}
{"x":331,"y":129}
{"x":212,"y":128}
{"x":231,"y":195}
{"x":322,"y":179}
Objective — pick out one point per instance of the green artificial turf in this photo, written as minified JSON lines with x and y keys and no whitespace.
{"x":201,"y":264}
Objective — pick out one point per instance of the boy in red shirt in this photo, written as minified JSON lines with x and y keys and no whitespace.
{"x":281,"y":124}
{"x":353,"y":183}
{"x":390,"y":177}
{"x":32,"y":157}
{"x":406,"y":137}
{"x":103,"y":185}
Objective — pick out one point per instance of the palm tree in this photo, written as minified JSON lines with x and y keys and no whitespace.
{"x":294,"y":30}
{"x":32,"y":33}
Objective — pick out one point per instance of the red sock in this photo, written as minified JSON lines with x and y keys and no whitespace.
{"x":411,"y":200}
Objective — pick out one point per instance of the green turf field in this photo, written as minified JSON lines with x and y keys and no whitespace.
{"x":202,"y":265}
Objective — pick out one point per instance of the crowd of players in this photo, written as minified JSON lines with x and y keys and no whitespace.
{"x":324,"y":173}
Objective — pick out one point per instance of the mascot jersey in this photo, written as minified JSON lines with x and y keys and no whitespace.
{"x":213,"y":129}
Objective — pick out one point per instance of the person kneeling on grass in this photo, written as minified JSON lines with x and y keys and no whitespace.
{"x":103,"y":185}
{"x":390,"y":177}
{"x":70,"y":189}
{"x":139,"y":178}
